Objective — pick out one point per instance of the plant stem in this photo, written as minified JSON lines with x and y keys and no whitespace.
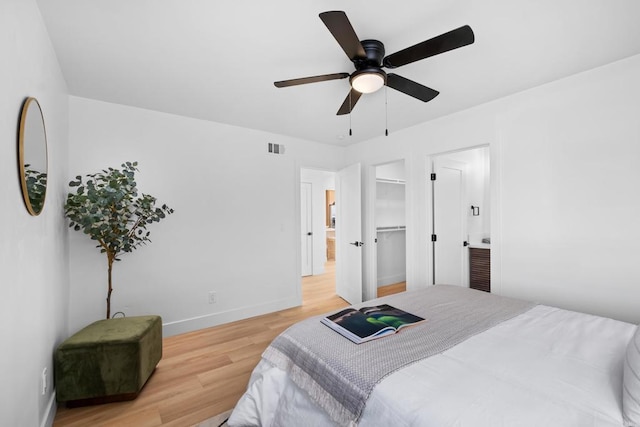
{"x":110,"y":258}
{"x":133,"y":229}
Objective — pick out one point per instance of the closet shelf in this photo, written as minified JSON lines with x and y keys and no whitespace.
{"x":392,"y":228}
{"x":391,"y":181}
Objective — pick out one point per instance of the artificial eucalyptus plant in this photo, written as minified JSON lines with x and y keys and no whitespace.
{"x":106,"y":207}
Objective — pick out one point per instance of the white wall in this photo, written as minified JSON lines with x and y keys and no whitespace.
{"x":320,"y":182}
{"x":564,"y":175}
{"x":390,"y":204}
{"x":393,"y":171}
{"x":570,"y":202}
{"x":391,"y":257}
{"x":236,"y":224}
{"x":33,"y":250}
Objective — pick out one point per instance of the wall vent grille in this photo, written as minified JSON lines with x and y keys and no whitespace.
{"x":275,"y":148}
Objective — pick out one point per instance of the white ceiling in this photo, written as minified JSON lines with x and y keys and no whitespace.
{"x":217,"y":60}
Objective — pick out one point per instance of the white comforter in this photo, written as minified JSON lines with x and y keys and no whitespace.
{"x":546,"y":367}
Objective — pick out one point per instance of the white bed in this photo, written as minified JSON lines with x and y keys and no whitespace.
{"x":544,"y":367}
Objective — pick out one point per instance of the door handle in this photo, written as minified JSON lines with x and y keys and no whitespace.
{"x":356,"y":243}
{"x":309,"y":233}
{"x":465,"y":243}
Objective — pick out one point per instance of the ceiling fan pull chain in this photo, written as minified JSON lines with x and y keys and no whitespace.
{"x":350,"y":133}
{"x":386,"y":114}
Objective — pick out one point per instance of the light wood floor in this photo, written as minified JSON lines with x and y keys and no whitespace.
{"x":204,"y":373}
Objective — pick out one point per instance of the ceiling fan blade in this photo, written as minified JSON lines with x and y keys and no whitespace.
{"x":349,"y":102}
{"x":443,"y":43}
{"x":411,"y":88}
{"x":314,"y":79}
{"x":339,"y":25}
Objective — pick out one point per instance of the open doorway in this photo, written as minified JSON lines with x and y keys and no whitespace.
{"x":461,"y":218}
{"x":390,"y":223}
{"x":318,"y":217}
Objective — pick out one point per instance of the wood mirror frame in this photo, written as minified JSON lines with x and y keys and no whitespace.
{"x":32,"y":156}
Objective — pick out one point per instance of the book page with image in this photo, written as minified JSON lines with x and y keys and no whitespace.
{"x":369,"y":323}
{"x":391,"y":316}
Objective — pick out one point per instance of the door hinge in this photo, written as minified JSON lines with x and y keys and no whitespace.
{"x":433,"y":177}
{"x":434,"y":238}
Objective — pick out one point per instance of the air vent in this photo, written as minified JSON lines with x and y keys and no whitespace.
{"x":275,"y":148}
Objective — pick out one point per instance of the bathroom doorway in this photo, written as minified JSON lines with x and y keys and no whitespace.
{"x":460,"y":213}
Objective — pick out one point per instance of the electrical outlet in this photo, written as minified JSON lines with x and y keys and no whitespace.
{"x":212,"y":297}
{"x":44,"y":381}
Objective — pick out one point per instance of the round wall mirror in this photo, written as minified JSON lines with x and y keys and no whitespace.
{"x":32,"y":156}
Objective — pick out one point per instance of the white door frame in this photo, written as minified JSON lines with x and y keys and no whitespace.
{"x":370,"y":273}
{"x":306,"y":229}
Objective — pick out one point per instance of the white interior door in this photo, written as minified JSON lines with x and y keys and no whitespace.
{"x":306,"y":229}
{"x":449,"y":223}
{"x":349,"y":234}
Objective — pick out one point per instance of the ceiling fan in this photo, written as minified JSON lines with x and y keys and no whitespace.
{"x":368,"y":58}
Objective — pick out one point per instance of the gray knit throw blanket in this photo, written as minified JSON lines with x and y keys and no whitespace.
{"x":339,"y":375}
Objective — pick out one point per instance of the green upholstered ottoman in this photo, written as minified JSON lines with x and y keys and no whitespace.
{"x":108,"y":360}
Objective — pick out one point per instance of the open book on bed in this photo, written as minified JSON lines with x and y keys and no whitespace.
{"x":369,"y":323}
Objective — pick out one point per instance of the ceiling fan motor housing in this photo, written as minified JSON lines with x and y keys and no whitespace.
{"x":374,"y":50}
{"x":371,"y":64}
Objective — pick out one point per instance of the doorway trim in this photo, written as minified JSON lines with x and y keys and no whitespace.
{"x":306,"y":229}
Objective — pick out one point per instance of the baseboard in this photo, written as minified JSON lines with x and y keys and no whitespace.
{"x":390,"y":280}
{"x":215,"y":319}
{"x":50,"y":413}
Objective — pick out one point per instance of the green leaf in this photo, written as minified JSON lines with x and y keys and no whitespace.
{"x":108,"y":209}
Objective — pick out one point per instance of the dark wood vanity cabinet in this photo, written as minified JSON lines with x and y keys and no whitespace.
{"x":480,"y":269}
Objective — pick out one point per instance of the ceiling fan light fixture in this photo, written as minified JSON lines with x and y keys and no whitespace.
{"x":368,"y":80}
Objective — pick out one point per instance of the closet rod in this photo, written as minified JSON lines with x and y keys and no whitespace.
{"x":392,"y":228}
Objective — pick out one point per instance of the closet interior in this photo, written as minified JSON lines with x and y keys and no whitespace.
{"x":390,"y":223}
